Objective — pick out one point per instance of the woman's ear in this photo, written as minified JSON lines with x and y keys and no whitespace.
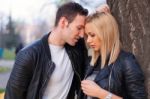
{"x":63,"y":22}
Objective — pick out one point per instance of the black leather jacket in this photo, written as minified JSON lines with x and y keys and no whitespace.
{"x":126,"y":79}
{"x":33,"y":68}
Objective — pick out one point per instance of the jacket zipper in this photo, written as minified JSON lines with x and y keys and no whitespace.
{"x":45,"y":80}
{"x":43,"y":86}
{"x":76,"y":73}
{"x":79,"y":79}
{"x":69,"y":53}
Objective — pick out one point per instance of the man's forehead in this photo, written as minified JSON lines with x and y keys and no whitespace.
{"x":80,"y":18}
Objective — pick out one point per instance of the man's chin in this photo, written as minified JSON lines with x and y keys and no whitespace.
{"x":72,"y":44}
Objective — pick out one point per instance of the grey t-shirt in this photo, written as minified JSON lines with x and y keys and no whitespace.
{"x":61,"y":79}
{"x":92,"y":77}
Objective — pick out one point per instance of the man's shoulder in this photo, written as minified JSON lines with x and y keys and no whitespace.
{"x":33,"y":47}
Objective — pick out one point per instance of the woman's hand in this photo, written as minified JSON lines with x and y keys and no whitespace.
{"x":90,"y":88}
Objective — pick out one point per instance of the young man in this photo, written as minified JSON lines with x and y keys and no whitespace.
{"x":52,"y":67}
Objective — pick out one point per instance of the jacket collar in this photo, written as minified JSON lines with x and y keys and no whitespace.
{"x":46,"y":45}
{"x":104,"y":73}
{"x":71,"y":50}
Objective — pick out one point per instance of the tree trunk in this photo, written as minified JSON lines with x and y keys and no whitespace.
{"x":133,"y":17}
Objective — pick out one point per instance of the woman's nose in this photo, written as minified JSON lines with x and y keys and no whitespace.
{"x":89,"y":39}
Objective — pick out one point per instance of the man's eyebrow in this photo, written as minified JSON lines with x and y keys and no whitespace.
{"x":82,"y":26}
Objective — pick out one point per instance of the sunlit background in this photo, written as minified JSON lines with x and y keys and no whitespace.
{"x":24,"y":21}
{"x":31,"y":18}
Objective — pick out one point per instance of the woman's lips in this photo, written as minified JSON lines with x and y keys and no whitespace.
{"x":93,"y":46}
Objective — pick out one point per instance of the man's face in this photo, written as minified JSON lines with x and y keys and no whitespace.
{"x":75,"y":30}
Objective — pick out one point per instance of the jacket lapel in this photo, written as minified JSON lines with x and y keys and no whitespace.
{"x":104,"y":73}
{"x":46,"y":45}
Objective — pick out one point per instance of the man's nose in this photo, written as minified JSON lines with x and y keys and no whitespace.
{"x":81,"y":34}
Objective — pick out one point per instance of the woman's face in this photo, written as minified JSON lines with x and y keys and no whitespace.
{"x":92,"y":38}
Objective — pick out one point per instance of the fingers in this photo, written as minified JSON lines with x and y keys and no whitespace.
{"x":88,"y":87}
{"x":85,"y":89}
{"x":84,"y":84}
{"x":103,"y":8}
{"x":86,"y":92}
{"x":87,"y":84}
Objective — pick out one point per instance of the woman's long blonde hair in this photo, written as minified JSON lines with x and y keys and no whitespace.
{"x":107,"y":31}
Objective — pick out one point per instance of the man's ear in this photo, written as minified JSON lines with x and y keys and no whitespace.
{"x":63,"y":22}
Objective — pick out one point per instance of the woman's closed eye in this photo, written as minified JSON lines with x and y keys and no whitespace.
{"x":91,"y":34}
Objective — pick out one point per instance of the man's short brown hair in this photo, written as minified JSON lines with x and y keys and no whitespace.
{"x":70,"y":10}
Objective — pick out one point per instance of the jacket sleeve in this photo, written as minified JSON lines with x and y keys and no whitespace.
{"x":20,"y":77}
{"x":134,"y":78}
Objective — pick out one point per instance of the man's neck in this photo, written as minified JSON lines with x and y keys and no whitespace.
{"x":55,"y":38}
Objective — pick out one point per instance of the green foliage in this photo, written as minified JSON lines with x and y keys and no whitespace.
{"x":9,"y":54}
{"x":4,"y":69}
{"x":2,"y":90}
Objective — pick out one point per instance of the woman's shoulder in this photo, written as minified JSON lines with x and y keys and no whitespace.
{"x":129,"y":62}
{"x":126,"y":55}
{"x":127,"y":58}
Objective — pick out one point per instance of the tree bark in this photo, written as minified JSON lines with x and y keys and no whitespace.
{"x":133,"y":17}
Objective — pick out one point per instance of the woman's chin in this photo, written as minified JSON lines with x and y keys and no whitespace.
{"x":95,"y":49}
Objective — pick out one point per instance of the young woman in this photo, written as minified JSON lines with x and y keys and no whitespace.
{"x":113,"y":73}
